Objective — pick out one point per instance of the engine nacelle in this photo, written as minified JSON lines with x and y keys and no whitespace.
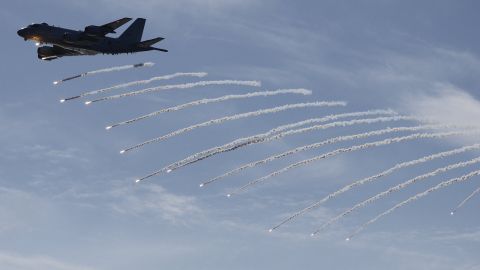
{"x":48,"y":53}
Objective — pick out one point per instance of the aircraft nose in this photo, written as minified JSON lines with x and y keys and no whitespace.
{"x":21,"y":32}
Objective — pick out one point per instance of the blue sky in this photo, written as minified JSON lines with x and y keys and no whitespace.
{"x":67,"y":198}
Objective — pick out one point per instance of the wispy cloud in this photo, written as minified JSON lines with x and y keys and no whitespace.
{"x":447,"y":104}
{"x":12,"y":261}
{"x":155,"y":201}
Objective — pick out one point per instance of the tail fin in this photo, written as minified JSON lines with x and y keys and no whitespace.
{"x":134,"y":31}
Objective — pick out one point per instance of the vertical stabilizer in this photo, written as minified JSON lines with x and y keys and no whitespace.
{"x":134,"y":31}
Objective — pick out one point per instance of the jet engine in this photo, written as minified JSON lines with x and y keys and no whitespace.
{"x":48,"y":53}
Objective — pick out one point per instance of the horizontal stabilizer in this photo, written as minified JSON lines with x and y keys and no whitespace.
{"x":158,"y":49}
{"x":150,"y":42}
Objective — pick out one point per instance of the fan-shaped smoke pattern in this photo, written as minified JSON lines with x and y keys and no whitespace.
{"x":299,"y":127}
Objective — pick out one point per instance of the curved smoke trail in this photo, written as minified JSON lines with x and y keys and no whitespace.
{"x":264,"y":138}
{"x":350,"y":149}
{"x":474,"y":193}
{"x":146,"y":64}
{"x":397,"y":188}
{"x":178,"y":86}
{"x":375,"y":177}
{"x":330,"y":118}
{"x":320,"y":144}
{"x":259,"y":138}
{"x":299,"y":91}
{"x":124,"y":85}
{"x":239,"y":116}
{"x":444,"y":184}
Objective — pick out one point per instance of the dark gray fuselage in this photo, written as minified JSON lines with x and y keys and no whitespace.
{"x":78,"y":41}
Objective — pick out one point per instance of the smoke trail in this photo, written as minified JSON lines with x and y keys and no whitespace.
{"x":351,"y":149}
{"x":259,"y":138}
{"x":178,"y":86}
{"x":240,"y":116}
{"x":330,"y":118}
{"x":146,"y":64}
{"x":374,"y":177}
{"x":320,"y":144}
{"x":125,"y":85}
{"x":265,"y":138}
{"x":397,"y":188}
{"x":465,"y":201}
{"x":444,"y":184}
{"x":300,"y":91}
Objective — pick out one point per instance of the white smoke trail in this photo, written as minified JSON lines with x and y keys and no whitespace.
{"x":146,"y":64}
{"x":474,"y":193}
{"x":264,"y":138}
{"x":299,"y":91}
{"x":259,"y":138}
{"x":125,"y":85}
{"x":320,"y":144}
{"x":239,"y":116}
{"x":375,"y":177}
{"x":444,"y":184}
{"x":398,"y":188}
{"x":330,"y":118}
{"x":350,"y":149}
{"x":178,"y":86}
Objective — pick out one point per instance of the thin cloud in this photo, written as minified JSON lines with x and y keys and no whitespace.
{"x":157,"y":201}
{"x":37,"y":262}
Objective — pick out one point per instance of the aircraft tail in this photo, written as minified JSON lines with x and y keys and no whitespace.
{"x":134,"y":31}
{"x":150,"y":42}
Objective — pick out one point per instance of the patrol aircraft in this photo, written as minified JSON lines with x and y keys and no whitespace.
{"x":93,"y":40}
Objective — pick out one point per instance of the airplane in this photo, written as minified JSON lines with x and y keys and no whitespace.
{"x":93,"y":40}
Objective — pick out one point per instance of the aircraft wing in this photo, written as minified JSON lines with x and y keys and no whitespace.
{"x":102,"y":30}
{"x":116,"y":24}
